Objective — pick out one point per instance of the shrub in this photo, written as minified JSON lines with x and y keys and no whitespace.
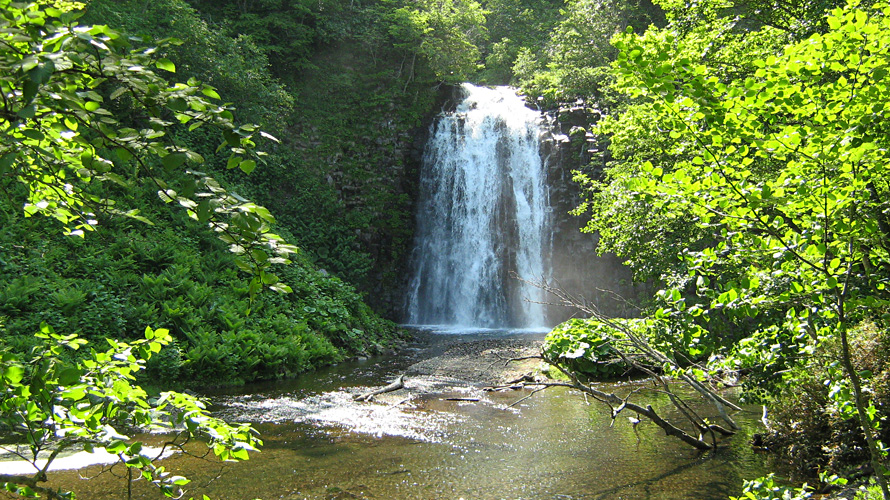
{"x":813,"y":428}
{"x":586,"y":346}
{"x":765,"y":488}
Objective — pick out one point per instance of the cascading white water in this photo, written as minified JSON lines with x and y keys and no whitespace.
{"x":483,"y":216}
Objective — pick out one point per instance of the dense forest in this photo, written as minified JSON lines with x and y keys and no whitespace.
{"x":224,"y":192}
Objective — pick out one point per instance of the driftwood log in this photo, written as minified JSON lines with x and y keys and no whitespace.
{"x":396,"y":385}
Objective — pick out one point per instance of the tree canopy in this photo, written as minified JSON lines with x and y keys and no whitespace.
{"x":65,"y":146}
{"x":749,"y":177}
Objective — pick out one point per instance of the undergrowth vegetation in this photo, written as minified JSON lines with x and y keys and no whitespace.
{"x":342,"y":86}
{"x":128,"y":274}
{"x":586,"y":347}
{"x":812,"y":424}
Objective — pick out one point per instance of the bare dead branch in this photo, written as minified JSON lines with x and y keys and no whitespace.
{"x":394,"y":386}
{"x":614,"y":401}
{"x":535,"y":391}
{"x":642,"y":345}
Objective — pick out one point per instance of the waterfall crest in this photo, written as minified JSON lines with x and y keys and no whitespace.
{"x":483,"y":216}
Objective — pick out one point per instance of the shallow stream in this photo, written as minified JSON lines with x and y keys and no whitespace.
{"x":443,"y":440}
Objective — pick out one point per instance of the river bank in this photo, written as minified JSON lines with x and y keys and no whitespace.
{"x":443,"y":437}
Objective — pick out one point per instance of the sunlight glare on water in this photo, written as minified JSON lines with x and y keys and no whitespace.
{"x":338,"y":411}
{"x":444,"y":440}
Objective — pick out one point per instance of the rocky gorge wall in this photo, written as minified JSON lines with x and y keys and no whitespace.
{"x":386,"y":284}
{"x":575,"y":265}
{"x":600,"y":280}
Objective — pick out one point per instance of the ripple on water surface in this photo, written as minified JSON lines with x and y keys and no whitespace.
{"x":438,"y":440}
{"x":339,"y":411}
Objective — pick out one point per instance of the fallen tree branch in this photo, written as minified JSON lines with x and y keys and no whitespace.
{"x":526,"y":397}
{"x":612,"y":400}
{"x":396,"y":385}
{"x":641,"y":344}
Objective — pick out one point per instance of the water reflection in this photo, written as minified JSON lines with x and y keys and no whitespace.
{"x":320,"y":444}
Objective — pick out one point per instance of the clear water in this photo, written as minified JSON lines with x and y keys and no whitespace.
{"x":319,"y":444}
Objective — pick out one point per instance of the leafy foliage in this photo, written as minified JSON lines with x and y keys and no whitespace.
{"x":778,"y":170}
{"x":585,"y":347}
{"x":574,"y":64}
{"x":236,"y":66}
{"x":765,"y":488}
{"x":514,"y":27}
{"x":446,"y":33}
{"x":61,"y":141}
{"x":812,"y":428}
{"x":184,"y":279}
{"x":102,"y":161}
{"x":54,"y":404}
{"x":340,"y":180}
{"x":286,"y":31}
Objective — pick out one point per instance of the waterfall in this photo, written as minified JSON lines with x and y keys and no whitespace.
{"x":482,"y":216}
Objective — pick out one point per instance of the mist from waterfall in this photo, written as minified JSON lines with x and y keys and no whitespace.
{"x":483,"y":216}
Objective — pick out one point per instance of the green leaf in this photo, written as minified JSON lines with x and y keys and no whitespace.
{"x":281,"y":288}
{"x":134,"y":214}
{"x":210,"y":92}
{"x":75,"y":393}
{"x":166,"y":65}
{"x":13,"y":373}
{"x":6,"y":162}
{"x":173,"y":160}
{"x":231,"y":138}
{"x":31,"y":133}
{"x":27,"y":112}
{"x":69,"y":376}
{"x":203,"y":211}
{"x":29,"y":90}
{"x":116,"y":447}
{"x":43,"y":72}
{"x":124,"y":154}
{"x":177,"y":104}
{"x":116,"y":178}
{"x":247,"y":166}
{"x":118,"y":92}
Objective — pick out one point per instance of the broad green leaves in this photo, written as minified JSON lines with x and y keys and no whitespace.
{"x":783,"y":175}
{"x":54,"y":405}
{"x":788,"y":165}
{"x":63,"y":87}
{"x":586,"y":347}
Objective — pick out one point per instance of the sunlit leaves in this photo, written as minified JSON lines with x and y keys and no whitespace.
{"x":822,"y":130}
{"x":772,"y":186}
{"x":52,"y":403}
{"x":444,"y":32}
{"x":59,"y":138}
